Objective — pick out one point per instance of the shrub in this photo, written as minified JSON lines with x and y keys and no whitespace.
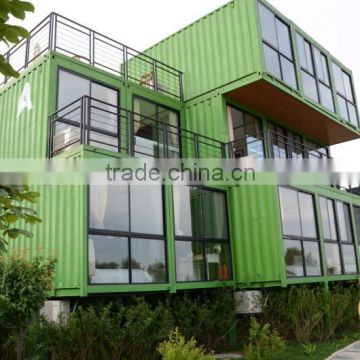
{"x":312,"y":313}
{"x":177,"y":348}
{"x":264,"y":343}
{"x":208,"y":318}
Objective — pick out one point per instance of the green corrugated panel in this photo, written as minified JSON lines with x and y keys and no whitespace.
{"x":61,"y":233}
{"x":24,"y":133}
{"x":257,"y":239}
{"x":215,"y":50}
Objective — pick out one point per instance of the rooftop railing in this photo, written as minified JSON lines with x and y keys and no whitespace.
{"x":93,"y":122}
{"x":65,"y":36}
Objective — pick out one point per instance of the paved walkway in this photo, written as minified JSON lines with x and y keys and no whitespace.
{"x":351,"y":352}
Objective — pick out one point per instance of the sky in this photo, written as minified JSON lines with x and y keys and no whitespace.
{"x":141,"y":23}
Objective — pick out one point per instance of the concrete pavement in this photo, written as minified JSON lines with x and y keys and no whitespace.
{"x":351,"y":352}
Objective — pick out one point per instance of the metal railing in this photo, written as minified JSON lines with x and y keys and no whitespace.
{"x":65,"y":36}
{"x":94,"y":122}
{"x":279,"y":145}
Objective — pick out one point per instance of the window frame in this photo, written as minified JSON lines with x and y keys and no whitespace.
{"x":258,"y":118}
{"x":157,"y":104}
{"x":129,"y":235}
{"x":339,"y":240}
{"x":278,"y":52}
{"x":91,"y":81}
{"x":343,"y":96}
{"x":205,"y":241}
{"x":315,"y":75}
{"x":302,"y":239}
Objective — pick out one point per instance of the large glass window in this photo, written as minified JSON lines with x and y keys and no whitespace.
{"x":100,"y":113}
{"x":279,"y":58}
{"x":338,"y":236}
{"x":201,"y":233}
{"x":301,"y":241}
{"x":357,"y":224}
{"x":345,"y":95}
{"x":315,"y":73}
{"x":156,"y":131}
{"x":126,"y":235}
{"x":245,"y":134}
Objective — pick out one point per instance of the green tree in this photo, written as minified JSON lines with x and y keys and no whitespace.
{"x":12,"y":210}
{"x":12,"y":34}
{"x":24,"y":286}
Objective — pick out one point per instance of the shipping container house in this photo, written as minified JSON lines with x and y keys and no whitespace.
{"x":241,"y":81}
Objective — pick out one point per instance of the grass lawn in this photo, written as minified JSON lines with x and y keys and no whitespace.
{"x":295,"y":351}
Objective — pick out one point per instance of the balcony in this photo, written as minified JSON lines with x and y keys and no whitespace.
{"x":271,"y":144}
{"x":88,"y":121}
{"x":57,"y":33}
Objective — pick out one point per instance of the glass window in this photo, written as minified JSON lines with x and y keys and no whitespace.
{"x":105,"y":212}
{"x":148,"y":261}
{"x":101,"y":113}
{"x":146,"y":209}
{"x":108,"y":259}
{"x":200,"y":218}
{"x":293,"y":258}
{"x":357,"y":223}
{"x":340,"y":250}
{"x":217,"y":259}
{"x":316,"y":83}
{"x":245,"y":134}
{"x":345,"y":95}
{"x":120,"y":252}
{"x":189,"y":261}
{"x":333,"y":262}
{"x":290,"y":212}
{"x":312,"y":258}
{"x":301,"y":244}
{"x":153,"y":126}
{"x":348,"y":253}
{"x":277,"y":46}
{"x":71,"y":87}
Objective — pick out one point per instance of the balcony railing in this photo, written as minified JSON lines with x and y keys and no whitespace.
{"x":93,"y":122}
{"x":65,"y":36}
{"x":279,"y":146}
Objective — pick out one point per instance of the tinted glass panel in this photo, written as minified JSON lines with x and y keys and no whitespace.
{"x":328,"y":219}
{"x":217,"y":257}
{"x":357,"y":223}
{"x":70,"y":88}
{"x":312,"y":258}
{"x":284,"y":38}
{"x":326,"y":97}
{"x":348,"y":87}
{"x":293,"y":258}
{"x":108,"y":259}
{"x":146,"y":209}
{"x":148,"y":261}
{"x":189,"y":261}
{"x":341,"y":221}
{"x":353,"y":114}
{"x":333,"y":259}
{"x":338,"y":79}
{"x":307,"y":214}
{"x":214,"y":214}
{"x":343,"y":108}
{"x":272,"y":61}
{"x":310,"y":89}
{"x":288,"y":71}
{"x":268,"y":26}
{"x":349,"y":258}
{"x":182,"y":211}
{"x":109,"y":207}
{"x":290,"y":212}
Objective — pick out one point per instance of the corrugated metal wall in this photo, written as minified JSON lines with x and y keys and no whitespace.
{"x":215,"y":50}
{"x":23,"y":114}
{"x":256,"y":229}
